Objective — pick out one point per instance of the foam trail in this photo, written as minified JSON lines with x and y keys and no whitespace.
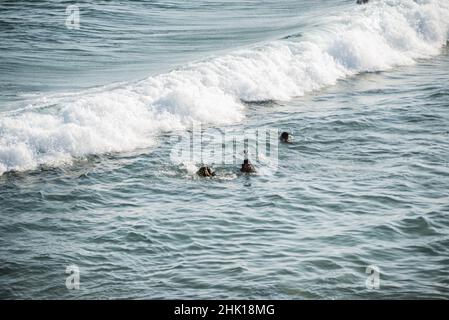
{"x":373,"y":37}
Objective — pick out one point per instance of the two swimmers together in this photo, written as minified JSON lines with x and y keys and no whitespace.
{"x":247,"y":166}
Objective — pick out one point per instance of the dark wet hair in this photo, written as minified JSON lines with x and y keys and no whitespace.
{"x":285,"y":135}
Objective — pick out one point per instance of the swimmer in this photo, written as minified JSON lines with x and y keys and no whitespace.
{"x":247,"y":167}
{"x":205,"y":172}
{"x":285,"y":137}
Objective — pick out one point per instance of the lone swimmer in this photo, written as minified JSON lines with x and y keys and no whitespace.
{"x":205,"y":172}
{"x":247,"y":167}
{"x":285,"y":137}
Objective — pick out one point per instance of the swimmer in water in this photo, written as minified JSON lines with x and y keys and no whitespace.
{"x":285,"y":137}
{"x":205,"y":172}
{"x":247,"y":167}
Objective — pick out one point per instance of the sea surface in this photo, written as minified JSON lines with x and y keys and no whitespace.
{"x":357,"y":206}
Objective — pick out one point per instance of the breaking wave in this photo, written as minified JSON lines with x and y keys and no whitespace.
{"x":373,"y":37}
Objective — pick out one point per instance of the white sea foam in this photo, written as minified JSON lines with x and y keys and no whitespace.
{"x":373,"y":37}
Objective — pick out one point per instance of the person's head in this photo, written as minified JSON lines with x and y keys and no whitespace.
{"x":247,"y":167}
{"x":285,"y":136}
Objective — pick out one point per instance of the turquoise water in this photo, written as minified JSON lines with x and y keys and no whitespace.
{"x":86,"y":139}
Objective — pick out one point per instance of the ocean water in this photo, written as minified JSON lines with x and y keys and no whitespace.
{"x":88,"y":118}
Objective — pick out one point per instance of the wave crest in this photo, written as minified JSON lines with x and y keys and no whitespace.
{"x":373,"y":37}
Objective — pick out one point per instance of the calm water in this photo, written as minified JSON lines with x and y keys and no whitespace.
{"x":87,"y":119}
